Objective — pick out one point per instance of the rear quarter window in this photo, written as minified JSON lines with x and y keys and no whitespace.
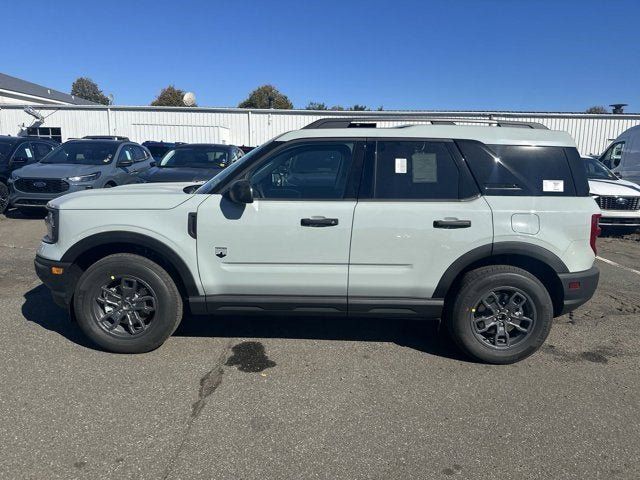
{"x":519,"y":170}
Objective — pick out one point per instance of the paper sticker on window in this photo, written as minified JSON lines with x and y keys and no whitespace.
{"x":401,"y":165}
{"x":553,"y":185}
{"x":424,"y":167}
{"x":29,"y":154}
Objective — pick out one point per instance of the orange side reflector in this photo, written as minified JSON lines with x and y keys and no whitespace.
{"x":57,"y":270}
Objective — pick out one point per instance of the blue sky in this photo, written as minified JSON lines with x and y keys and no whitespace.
{"x":402,"y":54}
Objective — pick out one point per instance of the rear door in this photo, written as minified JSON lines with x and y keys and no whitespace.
{"x":418,"y":211}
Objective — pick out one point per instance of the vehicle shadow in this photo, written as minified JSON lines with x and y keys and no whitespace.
{"x":421,"y":335}
{"x":14,"y":213}
{"x":38,"y":307}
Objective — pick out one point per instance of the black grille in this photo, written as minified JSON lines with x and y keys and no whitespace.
{"x":618,"y":203}
{"x":41,"y":185}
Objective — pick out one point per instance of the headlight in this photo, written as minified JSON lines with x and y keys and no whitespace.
{"x":14,"y":176}
{"x":85,"y":178}
{"x":52,"y":221}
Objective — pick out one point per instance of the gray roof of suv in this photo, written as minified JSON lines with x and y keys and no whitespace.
{"x":7,"y":82}
{"x":486,"y":134}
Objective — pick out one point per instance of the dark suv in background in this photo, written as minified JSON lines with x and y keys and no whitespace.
{"x":16,"y":152}
{"x":193,"y":162}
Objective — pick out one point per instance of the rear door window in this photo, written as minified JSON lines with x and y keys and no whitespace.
{"x":519,"y":169}
{"x":415,"y":170}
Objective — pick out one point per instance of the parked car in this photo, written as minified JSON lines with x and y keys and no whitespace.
{"x":618,"y":199}
{"x":622,"y":157}
{"x":16,"y":152}
{"x":491,"y":227}
{"x":74,"y":166}
{"x":193,"y":162}
{"x":158,"y":149}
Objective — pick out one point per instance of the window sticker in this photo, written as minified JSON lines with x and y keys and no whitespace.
{"x":401,"y":165}
{"x":424,"y":167}
{"x":553,"y":185}
{"x":29,"y":154}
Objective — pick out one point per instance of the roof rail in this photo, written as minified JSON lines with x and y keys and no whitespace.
{"x":370,"y":122}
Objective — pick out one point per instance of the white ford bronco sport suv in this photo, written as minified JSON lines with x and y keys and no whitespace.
{"x":489,"y":227}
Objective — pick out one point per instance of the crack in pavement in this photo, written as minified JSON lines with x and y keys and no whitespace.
{"x":208,"y":384}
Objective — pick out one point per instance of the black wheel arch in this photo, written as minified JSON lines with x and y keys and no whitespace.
{"x":90,"y":249}
{"x":539,"y":261}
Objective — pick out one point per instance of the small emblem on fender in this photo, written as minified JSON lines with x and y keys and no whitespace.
{"x":221,"y":252}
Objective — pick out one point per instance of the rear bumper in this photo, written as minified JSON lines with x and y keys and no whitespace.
{"x":578,"y":288}
{"x":61,"y":286}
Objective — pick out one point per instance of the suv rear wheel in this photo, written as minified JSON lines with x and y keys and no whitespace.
{"x":126,"y":303}
{"x":501,"y":314}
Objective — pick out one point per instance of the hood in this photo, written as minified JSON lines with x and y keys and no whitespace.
{"x":147,"y":196}
{"x":180,"y":174}
{"x":56,"y":170}
{"x":614,"y":188}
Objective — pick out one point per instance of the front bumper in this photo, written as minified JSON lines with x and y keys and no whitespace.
{"x":578,"y":288}
{"x":18,"y":198}
{"x":61,"y":286}
{"x":620,"y":218}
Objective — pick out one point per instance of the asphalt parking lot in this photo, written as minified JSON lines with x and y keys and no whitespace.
{"x":263,"y":398}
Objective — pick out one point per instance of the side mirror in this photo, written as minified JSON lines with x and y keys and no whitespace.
{"x":241,"y":192}
{"x":124,"y":163}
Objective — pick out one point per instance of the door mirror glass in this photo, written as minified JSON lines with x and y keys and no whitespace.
{"x":125,"y":162}
{"x":241,"y":192}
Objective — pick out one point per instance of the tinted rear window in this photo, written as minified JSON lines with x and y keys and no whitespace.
{"x":519,"y":170}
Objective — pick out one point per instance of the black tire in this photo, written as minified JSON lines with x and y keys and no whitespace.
{"x":469,"y":315}
{"x":4,"y":197}
{"x":109,"y":185}
{"x":137,"y":332}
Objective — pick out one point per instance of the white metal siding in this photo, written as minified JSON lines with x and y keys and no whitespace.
{"x":592,"y":133}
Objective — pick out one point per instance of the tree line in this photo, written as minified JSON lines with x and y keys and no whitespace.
{"x":265,"y":96}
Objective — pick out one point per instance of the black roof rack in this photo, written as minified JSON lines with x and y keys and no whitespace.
{"x":371,"y":122}
{"x":106,"y":137}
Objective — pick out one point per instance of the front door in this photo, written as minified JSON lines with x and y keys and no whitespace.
{"x":290,"y":247}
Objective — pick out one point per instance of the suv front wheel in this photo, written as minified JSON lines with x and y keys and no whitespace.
{"x":501,"y":314}
{"x":126,"y":303}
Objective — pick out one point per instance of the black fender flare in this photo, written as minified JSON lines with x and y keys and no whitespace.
{"x":138,"y":240}
{"x":499,"y":248}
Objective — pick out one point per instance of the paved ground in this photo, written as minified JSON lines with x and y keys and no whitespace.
{"x":313,"y":398}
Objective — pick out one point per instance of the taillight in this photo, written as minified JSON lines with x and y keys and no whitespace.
{"x":595,"y":231}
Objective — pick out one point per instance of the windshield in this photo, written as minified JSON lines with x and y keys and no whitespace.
{"x":196,"y":157}
{"x":5,"y":148}
{"x":233,"y":168}
{"x":83,"y":153}
{"x":596,"y":170}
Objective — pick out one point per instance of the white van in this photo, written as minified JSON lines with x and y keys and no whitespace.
{"x":623,"y":155}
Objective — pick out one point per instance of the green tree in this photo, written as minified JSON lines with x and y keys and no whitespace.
{"x":596,"y":109}
{"x":170,"y":97}
{"x":316,"y":106}
{"x":337,"y":108}
{"x":267,"y":96}
{"x":86,"y":88}
{"x":359,"y":108}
